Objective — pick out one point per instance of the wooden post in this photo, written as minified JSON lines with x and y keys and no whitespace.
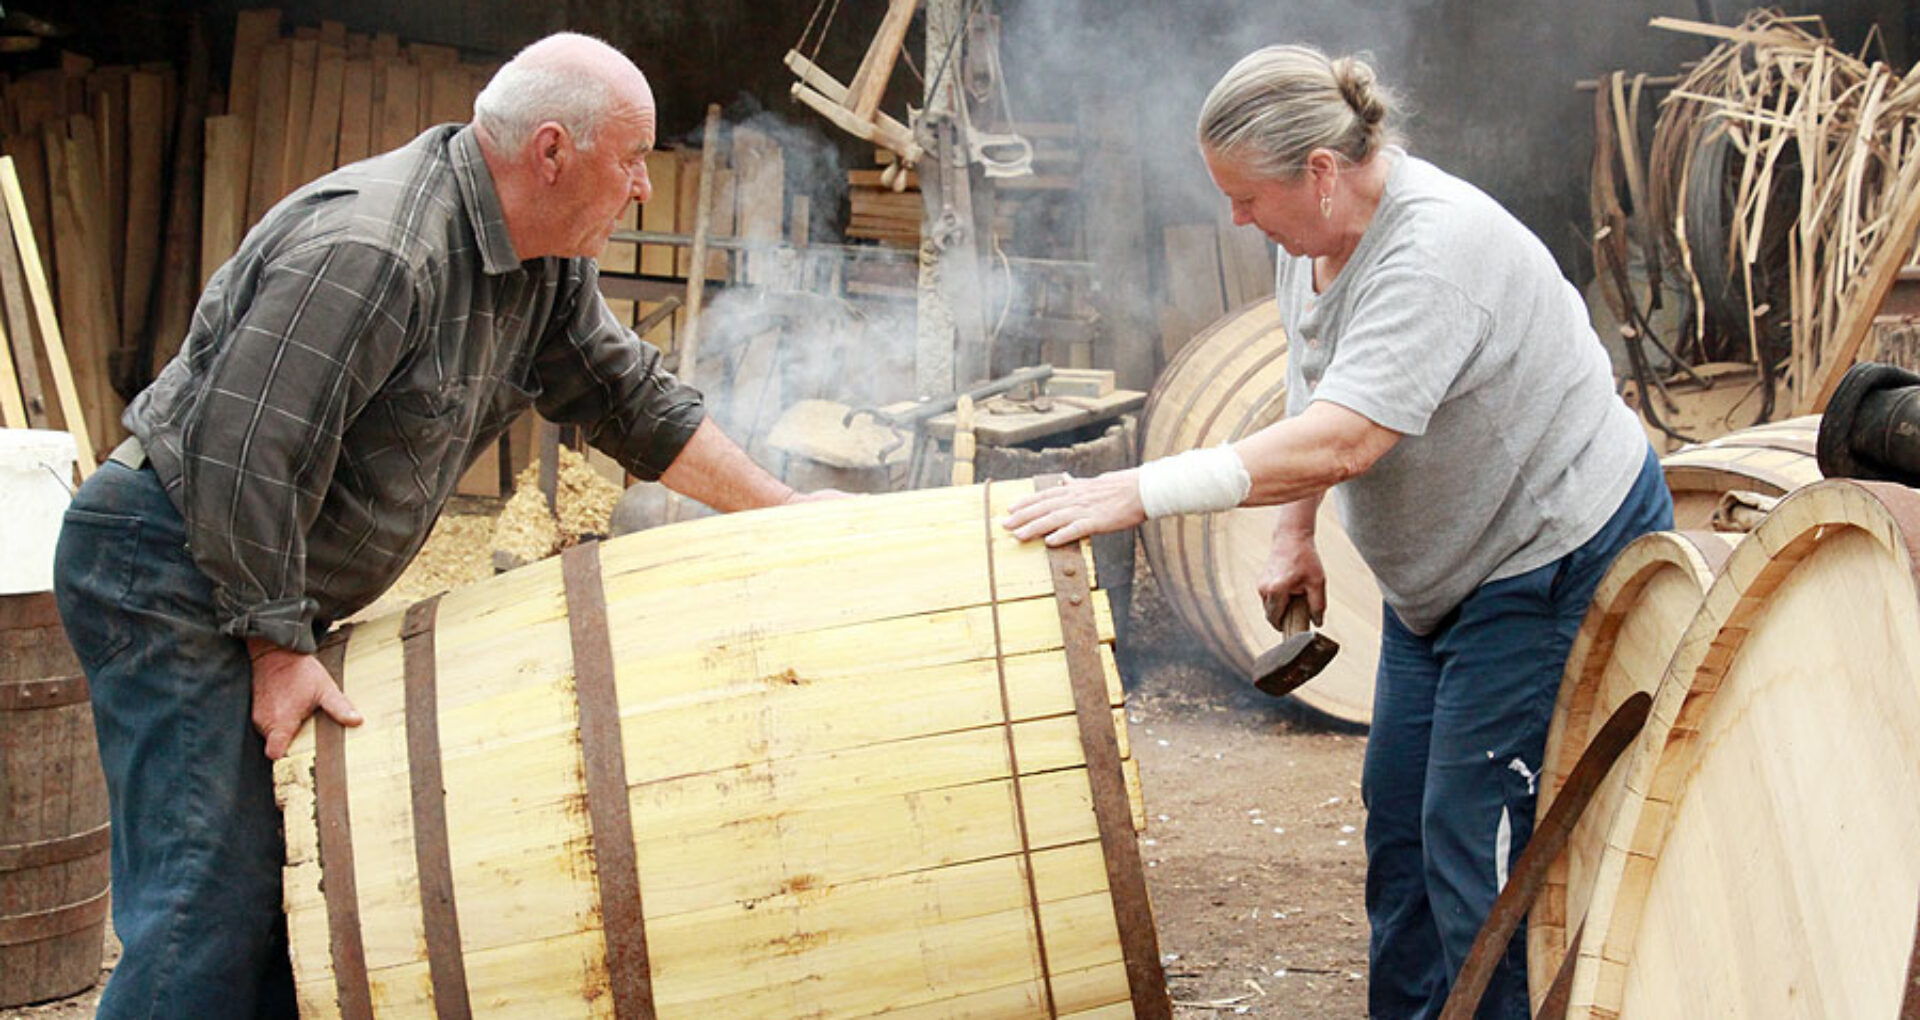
{"x":702,"y":223}
{"x":689,"y":344}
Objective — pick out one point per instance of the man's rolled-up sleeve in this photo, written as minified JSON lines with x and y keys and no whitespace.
{"x":594,"y":372}
{"x":325,"y":326}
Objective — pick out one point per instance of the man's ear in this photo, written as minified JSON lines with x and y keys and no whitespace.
{"x":552,"y":149}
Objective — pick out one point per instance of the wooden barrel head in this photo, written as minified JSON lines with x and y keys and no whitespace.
{"x":1763,"y":861}
{"x":849,"y":746}
{"x":1227,"y":382}
{"x":1639,"y":611}
{"x":1772,"y":459}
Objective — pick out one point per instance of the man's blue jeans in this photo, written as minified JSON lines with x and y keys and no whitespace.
{"x":197,"y":847}
{"x":1459,"y":728}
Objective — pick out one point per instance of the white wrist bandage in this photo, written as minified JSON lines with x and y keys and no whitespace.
{"x":1197,"y":481}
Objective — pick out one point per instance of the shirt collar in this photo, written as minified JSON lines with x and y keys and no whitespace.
{"x":482,"y":203}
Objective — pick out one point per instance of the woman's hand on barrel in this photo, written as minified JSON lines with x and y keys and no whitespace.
{"x":1078,"y":508}
{"x":287,"y":687}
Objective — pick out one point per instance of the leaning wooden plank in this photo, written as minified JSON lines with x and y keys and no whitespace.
{"x":28,"y":152}
{"x":356,"y":111}
{"x":29,"y":252}
{"x":13,"y":408}
{"x":400,"y":109}
{"x":660,"y":213}
{"x":321,"y":151}
{"x":303,"y":59}
{"x":268,"y":162}
{"x":19,"y":329}
{"x":93,"y":314}
{"x":180,"y":258}
{"x":223,"y":218}
{"x":253,"y":30}
{"x":1193,"y":276}
{"x":145,"y":175}
{"x":107,"y":105}
{"x":760,"y":183}
{"x":449,"y":98}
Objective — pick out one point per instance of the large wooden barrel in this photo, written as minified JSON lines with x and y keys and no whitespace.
{"x":1227,"y":382}
{"x":835,"y":759}
{"x":1771,"y":459}
{"x":1640,"y":608}
{"x":53,"y":811}
{"x":1766,"y":859}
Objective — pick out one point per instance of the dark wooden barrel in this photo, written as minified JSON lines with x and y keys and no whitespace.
{"x":53,"y":811}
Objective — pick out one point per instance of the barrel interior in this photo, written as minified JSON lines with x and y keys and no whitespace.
{"x":855,"y":765}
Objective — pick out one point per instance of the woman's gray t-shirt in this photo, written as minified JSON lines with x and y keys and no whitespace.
{"x":1452,"y":325}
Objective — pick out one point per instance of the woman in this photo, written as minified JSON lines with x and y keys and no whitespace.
{"x":1444,"y":375}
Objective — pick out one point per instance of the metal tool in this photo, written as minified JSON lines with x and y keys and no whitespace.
{"x":1297,"y":659}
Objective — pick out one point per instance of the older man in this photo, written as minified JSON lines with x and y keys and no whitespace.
{"x":376,"y":330}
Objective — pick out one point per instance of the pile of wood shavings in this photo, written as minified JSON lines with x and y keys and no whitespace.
{"x":526,"y":532}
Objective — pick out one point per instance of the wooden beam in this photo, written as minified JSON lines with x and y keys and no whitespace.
{"x":870,"y":82}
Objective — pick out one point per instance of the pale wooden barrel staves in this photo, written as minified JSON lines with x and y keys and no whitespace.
{"x":1762,"y":861}
{"x":1230,"y":381}
{"x":836,"y":759}
{"x":1640,"y":608}
{"x":53,"y":811}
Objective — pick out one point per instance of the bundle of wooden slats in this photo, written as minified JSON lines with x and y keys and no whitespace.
{"x":1838,"y":129}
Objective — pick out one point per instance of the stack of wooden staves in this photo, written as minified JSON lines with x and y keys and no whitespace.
{"x":88,"y":146}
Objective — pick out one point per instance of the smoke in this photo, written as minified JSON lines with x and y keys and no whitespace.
{"x":1160,"y":60}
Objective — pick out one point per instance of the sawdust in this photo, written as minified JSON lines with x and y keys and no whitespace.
{"x":583,"y":502}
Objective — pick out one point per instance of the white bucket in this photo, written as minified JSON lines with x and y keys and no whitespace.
{"x":36,"y":470}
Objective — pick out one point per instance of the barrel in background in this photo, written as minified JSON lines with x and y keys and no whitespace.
{"x":53,"y":811}
{"x":1227,"y":382}
{"x":1771,"y":459}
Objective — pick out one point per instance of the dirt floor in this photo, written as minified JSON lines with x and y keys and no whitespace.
{"x":1253,"y":847}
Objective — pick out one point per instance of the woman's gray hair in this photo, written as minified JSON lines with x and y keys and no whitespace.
{"x":526,"y":93}
{"x":1280,"y":103}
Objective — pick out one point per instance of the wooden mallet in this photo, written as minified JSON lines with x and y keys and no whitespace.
{"x":1299,"y":657}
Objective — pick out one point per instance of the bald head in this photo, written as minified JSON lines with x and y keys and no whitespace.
{"x":574,"y":80}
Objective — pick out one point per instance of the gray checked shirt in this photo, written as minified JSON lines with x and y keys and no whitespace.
{"x":371,"y":336}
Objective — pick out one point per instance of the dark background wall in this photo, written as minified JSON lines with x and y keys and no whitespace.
{"x":1489,"y":83}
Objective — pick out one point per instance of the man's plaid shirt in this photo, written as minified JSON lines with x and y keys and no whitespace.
{"x":371,"y":336}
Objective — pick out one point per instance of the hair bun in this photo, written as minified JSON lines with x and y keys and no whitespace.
{"x":1355,"y":79}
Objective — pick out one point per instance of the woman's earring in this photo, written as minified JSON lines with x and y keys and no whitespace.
{"x":1326,"y":206}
